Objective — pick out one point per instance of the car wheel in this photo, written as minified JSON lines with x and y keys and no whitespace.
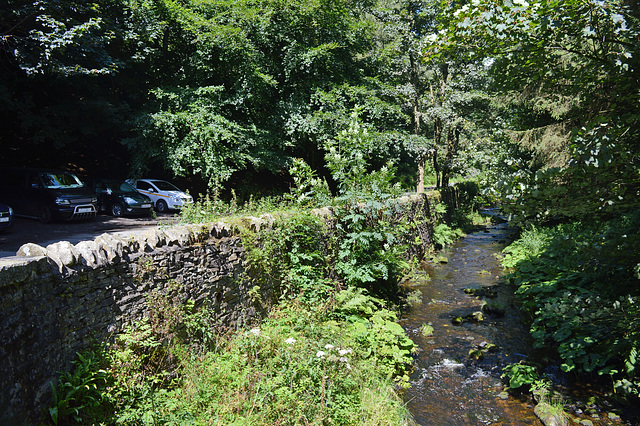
{"x":44,"y":214}
{"x":161,"y":206}
{"x":117,"y":210}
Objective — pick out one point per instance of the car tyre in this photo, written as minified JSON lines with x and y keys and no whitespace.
{"x":117,"y":210}
{"x":162,"y":206}
{"x":44,"y":214}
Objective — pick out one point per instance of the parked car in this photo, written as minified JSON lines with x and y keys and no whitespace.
{"x":6,"y":217}
{"x":165,"y":195}
{"x":118,"y":198}
{"x":46,"y":194}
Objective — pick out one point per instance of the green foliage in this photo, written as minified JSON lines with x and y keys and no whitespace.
{"x":443,"y":235}
{"x":426,"y":330}
{"x":348,"y":159}
{"x":297,"y":365}
{"x":369,"y":252}
{"x":578,"y":283}
{"x":519,"y":375}
{"x":211,"y":208}
{"x":292,"y":252}
{"x":79,"y":391}
{"x":307,"y":188}
{"x":566,"y":73}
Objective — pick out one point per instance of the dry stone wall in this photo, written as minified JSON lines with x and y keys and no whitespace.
{"x":57,"y":300}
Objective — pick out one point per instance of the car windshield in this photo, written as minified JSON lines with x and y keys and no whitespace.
{"x":60,"y":180}
{"x":118,"y":186}
{"x":164,"y":185}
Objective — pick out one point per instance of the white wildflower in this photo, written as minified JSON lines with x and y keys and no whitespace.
{"x":255,"y":331}
{"x":320,"y":354}
{"x":343,"y":352}
{"x":328,"y":346}
{"x":290,"y":341}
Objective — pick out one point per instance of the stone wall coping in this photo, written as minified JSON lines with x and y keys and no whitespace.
{"x":112,"y":248}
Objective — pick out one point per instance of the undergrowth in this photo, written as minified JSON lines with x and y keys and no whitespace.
{"x":334,"y":363}
{"x":579,"y":284}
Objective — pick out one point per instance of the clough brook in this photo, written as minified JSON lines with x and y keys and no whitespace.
{"x":457,"y":374}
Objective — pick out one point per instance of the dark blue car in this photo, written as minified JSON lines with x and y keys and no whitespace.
{"x":6,"y":217}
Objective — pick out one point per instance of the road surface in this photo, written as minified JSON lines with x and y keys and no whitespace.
{"x":31,"y":231}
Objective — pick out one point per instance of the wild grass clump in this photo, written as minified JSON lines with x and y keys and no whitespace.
{"x":212,"y":208}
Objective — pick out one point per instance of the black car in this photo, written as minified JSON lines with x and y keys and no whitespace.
{"x":6,"y":217}
{"x":46,"y":194}
{"x":119,"y":198}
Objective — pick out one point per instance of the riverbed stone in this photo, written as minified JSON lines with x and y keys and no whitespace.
{"x":550,"y":416}
{"x":493,"y":309}
{"x":613,"y":416}
{"x":475,"y":316}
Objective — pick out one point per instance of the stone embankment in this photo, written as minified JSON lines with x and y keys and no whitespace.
{"x":57,"y":300}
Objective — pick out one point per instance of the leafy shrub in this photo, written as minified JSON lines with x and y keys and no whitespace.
{"x":369,"y":252}
{"x":443,"y":235}
{"x":519,"y":375}
{"x":78,"y":392}
{"x":293,"y":253}
{"x":578,"y":283}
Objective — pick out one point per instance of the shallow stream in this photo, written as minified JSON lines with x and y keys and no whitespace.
{"x":457,"y":369}
{"x":450,"y":387}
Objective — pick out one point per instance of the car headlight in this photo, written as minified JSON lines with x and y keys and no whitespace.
{"x":62,"y":201}
{"x":94,"y":200}
{"x":130,"y":200}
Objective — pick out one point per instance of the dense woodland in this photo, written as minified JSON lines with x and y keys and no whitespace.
{"x":538,"y":102}
{"x":227,"y":94}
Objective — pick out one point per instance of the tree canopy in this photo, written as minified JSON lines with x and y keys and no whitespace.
{"x":540,"y":99}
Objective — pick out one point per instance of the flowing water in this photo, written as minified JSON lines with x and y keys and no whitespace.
{"x":450,"y":387}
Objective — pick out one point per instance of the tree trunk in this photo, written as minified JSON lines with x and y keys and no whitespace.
{"x":420,"y":176}
{"x":416,"y":118}
{"x":437,"y":137}
{"x":453,"y":140}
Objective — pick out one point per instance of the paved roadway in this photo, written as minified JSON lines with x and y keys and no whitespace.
{"x":31,"y":231}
